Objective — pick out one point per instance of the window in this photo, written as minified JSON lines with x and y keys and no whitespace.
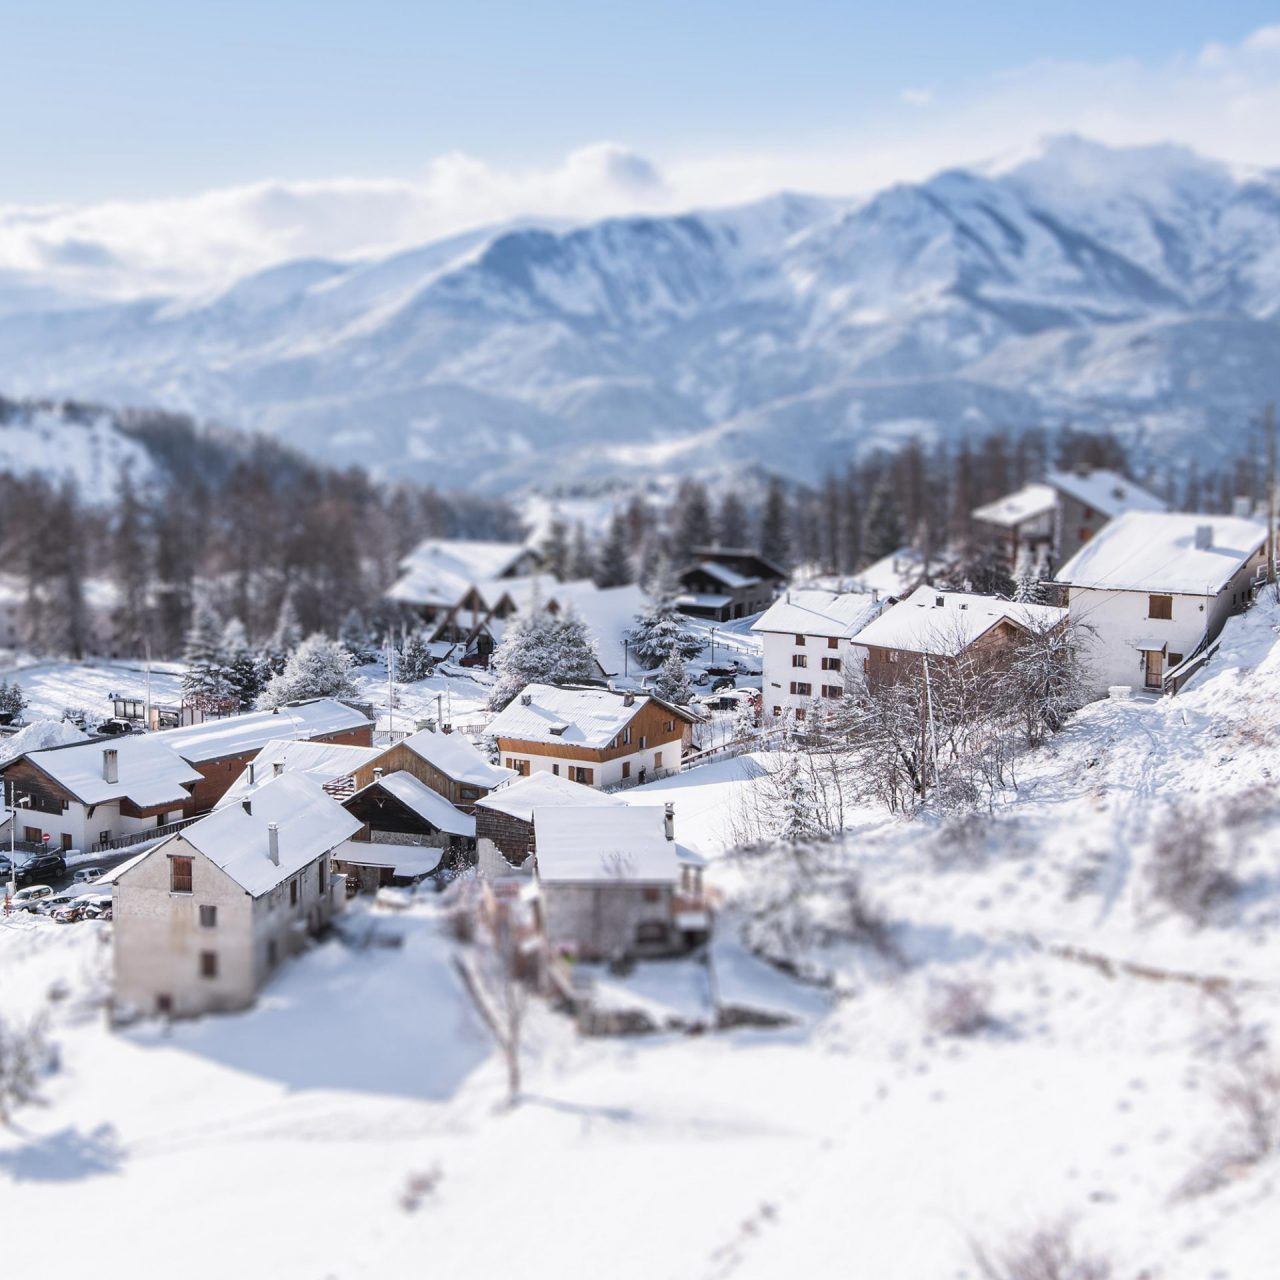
{"x":891,"y":655}
{"x":652,"y":893}
{"x":1175,"y":659}
{"x":799,"y":660}
{"x":800,"y":641}
{"x":208,"y":917}
{"x":555,"y":769}
{"x":644,"y":742}
{"x":657,"y":759}
{"x":800,"y":713}
{"x":626,"y":768}
{"x":669,"y":726}
{"x":293,"y":893}
{"x":1160,"y":607}
{"x":179,"y":875}
{"x":777,"y":711}
{"x":831,"y":664}
{"x":208,"y":964}
{"x":833,"y":642}
{"x":103,"y":836}
{"x":470,"y":793}
{"x":800,"y":689}
{"x":832,"y":691}
{"x":520,"y":766}
{"x":583,"y":775}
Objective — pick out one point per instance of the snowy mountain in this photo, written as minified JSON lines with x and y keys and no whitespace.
{"x":1134,"y":289}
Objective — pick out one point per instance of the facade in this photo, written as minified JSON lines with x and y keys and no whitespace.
{"x":1025,"y":524}
{"x":448,"y":763}
{"x":614,"y":882}
{"x":1153,"y":587}
{"x":723,"y":583}
{"x":809,"y":647}
{"x":594,"y":736}
{"x":438,"y":575}
{"x":220,"y":750}
{"x":505,"y":835}
{"x":85,"y":795}
{"x":943,"y":625}
{"x":202,"y":920}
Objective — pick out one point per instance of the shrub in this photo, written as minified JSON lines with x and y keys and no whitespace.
{"x":1188,"y":872}
{"x":960,"y":1009}
{"x":1047,"y":1253}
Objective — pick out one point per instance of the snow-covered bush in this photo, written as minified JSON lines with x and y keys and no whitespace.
{"x":1189,"y":872}
{"x":1047,"y":1253}
{"x":960,"y":1008}
{"x":317,"y":668}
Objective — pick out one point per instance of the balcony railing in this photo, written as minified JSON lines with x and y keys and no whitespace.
{"x":139,"y":837}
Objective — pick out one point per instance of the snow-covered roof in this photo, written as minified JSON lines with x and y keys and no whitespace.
{"x":589,"y":718}
{"x":324,"y":762}
{"x":440,"y":570}
{"x":110,"y":877}
{"x":894,"y":574}
{"x":148,"y":770}
{"x":310,"y":822}
{"x":722,"y":573}
{"x":820,"y":613}
{"x":701,"y":600}
{"x":429,"y":805}
{"x":241,"y":735}
{"x":520,"y":798}
{"x":1156,"y":551}
{"x":456,"y":757}
{"x":1105,"y":491}
{"x":579,"y":844}
{"x":1027,"y":503}
{"x":609,"y":613}
{"x":945,"y":623}
{"x":407,"y":860}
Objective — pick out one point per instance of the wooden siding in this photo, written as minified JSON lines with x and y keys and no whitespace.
{"x":400,"y":759}
{"x":649,"y":722}
{"x":513,"y":836}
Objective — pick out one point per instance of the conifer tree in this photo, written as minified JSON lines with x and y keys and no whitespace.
{"x":355,"y":637}
{"x":775,"y":526}
{"x":615,"y":568}
{"x":692,"y":528}
{"x":207,"y":681}
{"x":731,"y":522}
{"x":672,"y":681}
{"x":582,"y":563}
{"x":542,"y":648}
{"x":317,"y":668}
{"x":287,"y":634}
{"x":415,"y":661}
{"x":660,"y":630}
{"x":882,"y":534}
{"x":555,"y":548}
{"x":247,"y":671}
{"x":1027,"y":588}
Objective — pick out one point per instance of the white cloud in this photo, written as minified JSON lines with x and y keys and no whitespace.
{"x":1223,"y":101}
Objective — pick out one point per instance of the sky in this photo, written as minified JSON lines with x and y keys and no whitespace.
{"x":156,"y":145}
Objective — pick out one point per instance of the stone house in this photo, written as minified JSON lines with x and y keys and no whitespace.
{"x":202,"y":920}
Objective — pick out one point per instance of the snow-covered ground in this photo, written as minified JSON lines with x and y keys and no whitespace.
{"x":53,"y":686}
{"x":350,"y":1125}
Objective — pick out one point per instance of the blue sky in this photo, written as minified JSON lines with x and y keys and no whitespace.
{"x":138,"y":101}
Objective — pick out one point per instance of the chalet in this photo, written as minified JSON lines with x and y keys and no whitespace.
{"x":448,"y":763}
{"x":594,"y":736}
{"x":943,"y":625}
{"x":220,"y":750}
{"x":332,"y":764}
{"x":438,"y":574}
{"x":723,"y":583}
{"x":505,"y":835}
{"x":1044,"y":524}
{"x":808,"y":640}
{"x":1155,"y":587}
{"x":95,"y":794}
{"x":896,"y":575}
{"x":202,"y":920}
{"x":614,"y":882}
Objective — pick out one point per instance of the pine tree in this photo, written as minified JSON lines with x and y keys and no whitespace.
{"x":207,"y":681}
{"x":130,"y":567}
{"x":582,"y":563}
{"x":615,"y":568}
{"x":415,"y":661}
{"x":692,"y":529}
{"x":317,"y":668}
{"x":355,"y":637}
{"x":672,"y":682}
{"x":882,"y":534}
{"x":660,"y":630}
{"x":287,"y":634}
{"x":731,"y":522}
{"x":542,"y":648}
{"x":247,"y":672}
{"x":775,"y":525}
{"x":12,"y":700}
{"x":796,"y":800}
{"x":1027,"y":588}
{"x":555,"y":548}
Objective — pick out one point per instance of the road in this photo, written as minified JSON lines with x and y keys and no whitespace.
{"x":104,"y":863}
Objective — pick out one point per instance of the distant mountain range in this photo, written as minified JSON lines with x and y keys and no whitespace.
{"x":1136,"y":290}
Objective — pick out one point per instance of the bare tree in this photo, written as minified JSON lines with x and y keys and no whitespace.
{"x":25,"y":1054}
{"x":1047,"y":1253}
{"x":500,"y":989}
{"x":1189,"y":870}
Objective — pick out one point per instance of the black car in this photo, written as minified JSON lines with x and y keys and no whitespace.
{"x":114,"y":727}
{"x":41,"y":866}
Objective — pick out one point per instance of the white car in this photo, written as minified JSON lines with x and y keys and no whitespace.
{"x":85,"y":875}
{"x":26,"y":899}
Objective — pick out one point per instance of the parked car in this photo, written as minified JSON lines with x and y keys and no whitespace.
{"x":54,"y":902}
{"x":85,"y":875}
{"x":26,"y":899}
{"x":115,"y":726}
{"x":53,"y":865}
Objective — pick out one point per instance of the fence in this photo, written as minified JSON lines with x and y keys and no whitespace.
{"x":139,"y":837}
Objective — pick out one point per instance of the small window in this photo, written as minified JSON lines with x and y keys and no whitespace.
{"x":801,"y":689}
{"x":626,"y":769}
{"x":800,"y":641}
{"x":470,"y":793}
{"x":657,"y":759}
{"x":669,"y":726}
{"x":208,"y":917}
{"x":777,"y":711}
{"x":800,"y":713}
{"x":179,"y":875}
{"x":799,"y":660}
{"x":293,"y":893}
{"x":1160,"y":607}
{"x":831,"y":664}
{"x":208,"y":964}
{"x":652,"y":893}
{"x":833,"y":642}
{"x":555,"y":769}
{"x":1175,"y":659}
{"x":164,"y":1004}
{"x":832,"y":691}
{"x":583,"y":775}
{"x":644,"y":742}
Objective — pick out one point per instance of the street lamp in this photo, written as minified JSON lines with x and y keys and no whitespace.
{"x":14,"y":802}
{"x":713,"y":646}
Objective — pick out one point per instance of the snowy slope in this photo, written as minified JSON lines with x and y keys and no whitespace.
{"x":1132,"y":289}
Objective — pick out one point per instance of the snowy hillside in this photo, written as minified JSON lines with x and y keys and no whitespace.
{"x":1035,"y":1038}
{"x":1133,"y":289}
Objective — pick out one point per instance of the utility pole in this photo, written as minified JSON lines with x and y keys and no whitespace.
{"x":1269,"y":428}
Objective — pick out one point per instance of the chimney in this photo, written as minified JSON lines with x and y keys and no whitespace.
{"x":939,"y":601}
{"x":446,"y":728}
{"x":1204,"y":537}
{"x":273,"y":843}
{"x":110,"y":764}
{"x":377,"y":774}
{"x":628,"y":699}
{"x":277,"y":768}
{"x":252,"y":773}
{"x":526,"y":699}
{"x":247,"y":806}
{"x":669,"y":820}
{"x":1242,"y":508}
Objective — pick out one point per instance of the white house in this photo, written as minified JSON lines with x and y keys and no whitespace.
{"x":87,"y":794}
{"x":591,"y":735}
{"x":808,"y":641}
{"x":614,"y":882}
{"x":1154,"y":586}
{"x":202,"y":920}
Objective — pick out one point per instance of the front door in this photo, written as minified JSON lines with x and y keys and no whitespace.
{"x":1155,"y":668}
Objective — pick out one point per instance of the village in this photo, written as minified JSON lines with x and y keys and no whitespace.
{"x":610,"y":812}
